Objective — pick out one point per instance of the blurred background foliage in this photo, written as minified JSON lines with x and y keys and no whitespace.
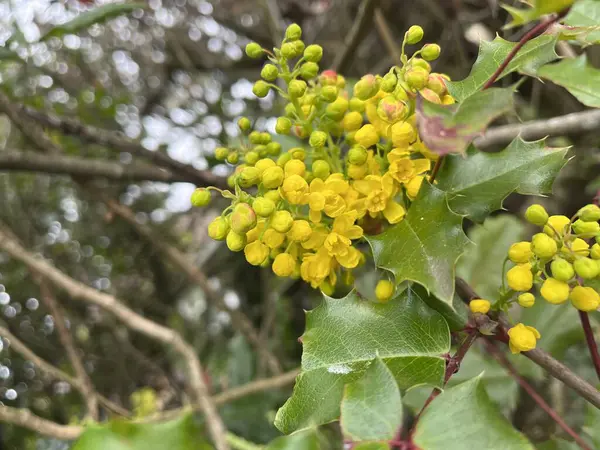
{"x":172,"y":76}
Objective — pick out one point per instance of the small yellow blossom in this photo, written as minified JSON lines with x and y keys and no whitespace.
{"x":479,"y":305}
{"x":522,"y":338}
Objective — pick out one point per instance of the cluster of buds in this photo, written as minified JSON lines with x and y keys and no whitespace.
{"x":304,"y":210}
{"x":563,"y":261}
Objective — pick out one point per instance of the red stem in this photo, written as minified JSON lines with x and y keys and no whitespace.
{"x":503,"y":360}
{"x":538,"y":29}
{"x":436,"y":169}
{"x":591,"y":342}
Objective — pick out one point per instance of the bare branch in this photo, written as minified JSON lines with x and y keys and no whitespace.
{"x":354,"y":36}
{"x":25,"y":418}
{"x":84,"y":167}
{"x":557,"y":126}
{"x":133,"y":320}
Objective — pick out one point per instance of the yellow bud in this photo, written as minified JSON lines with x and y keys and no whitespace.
{"x":300,"y":231}
{"x":537,"y":215}
{"x":273,"y":195}
{"x":429,"y":52}
{"x":366,"y":87}
{"x":337,"y":109}
{"x":430,"y":96}
{"x":282,"y":221}
{"x":263,"y":206}
{"x":243,"y":218}
{"x":352,"y":121}
{"x":543,"y":247}
{"x":562,"y":270}
{"x":357,"y":172}
{"x":272,"y":177}
{"x":218,"y":228}
{"x":448,"y":100}
{"x":595,"y":253}
{"x":317,"y":139}
{"x":589,"y":213}
{"x":284,"y":265}
{"x":356,"y":104}
{"x":526,"y":300}
{"x":313,"y":53}
{"x":389,"y":82}
{"x":555,"y":291}
{"x":579,"y":247}
{"x":384,"y":290}
{"x":520,"y":252}
{"x":264,"y":164}
{"x":236,"y":242}
{"x":520,"y":277}
{"x":414,"y":34}
{"x":221,"y":153}
{"x":479,"y":305}
{"x":357,"y":155}
{"x":294,"y":167}
{"x":557,"y":224}
{"x":283,"y":125}
{"x":293,"y":32}
{"x":272,"y":238}
{"x":437,"y":84}
{"x":200,"y":197}
{"x":585,"y":298}
{"x":391,"y":110}
{"x":586,"y":268}
{"x":416,"y":78}
{"x":256,"y":253}
{"x":249,"y":177}
{"x":522,"y":338}
{"x":588,"y":229}
{"x":321,"y":169}
{"x":402,"y":134}
{"x":366,"y":136}
{"x":418,"y":62}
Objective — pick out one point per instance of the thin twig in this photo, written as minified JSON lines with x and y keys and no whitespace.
{"x":591,"y":341}
{"x":354,"y":36}
{"x":25,"y":418}
{"x":503,"y":360}
{"x":387,"y":36}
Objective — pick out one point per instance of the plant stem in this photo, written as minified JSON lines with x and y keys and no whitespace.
{"x":436,"y":169}
{"x":503,"y":360}
{"x":591,"y":342}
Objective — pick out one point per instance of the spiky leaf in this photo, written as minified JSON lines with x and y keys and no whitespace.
{"x":577,"y":76}
{"x":583,"y":21}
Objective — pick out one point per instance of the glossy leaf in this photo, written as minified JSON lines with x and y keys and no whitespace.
{"x":534,"y":54}
{"x":304,"y":440}
{"x":463,"y":417}
{"x":372,"y":407}
{"x":478,"y":183}
{"x":425,"y":246}
{"x":481,"y":265}
{"x":583,"y":20}
{"x":455,"y":313}
{"x":180,"y":434}
{"x":539,"y":8}
{"x":451,"y":128}
{"x":342,"y":337}
{"x":577,"y":76}
{"x":96,"y":15}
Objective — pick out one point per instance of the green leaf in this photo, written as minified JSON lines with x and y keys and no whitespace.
{"x":558,"y":444}
{"x":304,"y":440}
{"x":533,"y":55}
{"x":478,"y":183}
{"x":481,"y":265}
{"x":584,"y":19}
{"x":463,"y":417}
{"x":590,"y":426}
{"x":455,"y":313}
{"x":343,"y":335}
{"x":372,"y":407}
{"x":539,"y":8}
{"x":372,"y":446}
{"x":180,"y":434}
{"x":425,"y":246}
{"x":579,"y":78}
{"x":97,"y":15}
{"x":451,"y":128}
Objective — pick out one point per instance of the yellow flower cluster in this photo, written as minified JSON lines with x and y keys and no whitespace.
{"x":304,"y":211}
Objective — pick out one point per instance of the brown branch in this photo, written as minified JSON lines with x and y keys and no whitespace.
{"x":27,"y":161}
{"x":591,"y":341}
{"x":354,"y":36}
{"x":238,"y":318}
{"x":387,"y":36}
{"x":25,"y":418}
{"x":573,"y":123}
{"x":537,"y":398}
{"x":541,"y":358}
{"x":133,"y":320}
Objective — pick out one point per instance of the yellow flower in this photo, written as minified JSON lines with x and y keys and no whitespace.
{"x":295,"y":190}
{"x":325,"y":196}
{"x":272,"y":238}
{"x":379,"y":192}
{"x":316,"y":267}
{"x":272,"y":177}
{"x":479,"y":305}
{"x":256,"y":252}
{"x":520,"y":252}
{"x":520,"y":277}
{"x":316,"y":239}
{"x":300,"y":232}
{"x":282,"y":221}
{"x":414,"y":186}
{"x":254,"y":233}
{"x":339,"y":242}
{"x":284,"y":265}
{"x":554,"y":291}
{"x":585,"y":298}
{"x":402,"y":134}
{"x":366,"y":136}
{"x":404,"y":169}
{"x":522,"y":338}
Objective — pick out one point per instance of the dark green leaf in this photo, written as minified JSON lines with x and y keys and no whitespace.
{"x":425,"y":246}
{"x":534,"y":54}
{"x":481,"y":265}
{"x":304,"y":440}
{"x":521,"y":16}
{"x":456,"y":313}
{"x":180,"y":434}
{"x":343,"y":335}
{"x":577,"y":76}
{"x":478,"y":183}
{"x":584,"y":20}
{"x":464,"y":418}
{"x":451,"y":128}
{"x":97,"y":15}
{"x":372,"y":407}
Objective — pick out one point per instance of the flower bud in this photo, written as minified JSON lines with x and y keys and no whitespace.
{"x":233,"y":158}
{"x":261,"y":150}
{"x":298,"y":47}
{"x":249,"y":177}
{"x":388,"y":83}
{"x":356,"y":104}
{"x":384,"y":290}
{"x":282,"y":221}
{"x":429,"y":52}
{"x":537,"y":215}
{"x":236,"y":242}
{"x":595,"y":252}
{"x":555,"y":291}
{"x":244,"y":124}
{"x":329,"y":93}
{"x":352,"y":121}
{"x":414,"y":34}
{"x":200,"y":197}
{"x":437,"y":84}
{"x":260,"y":89}
{"x":297,"y":88}
{"x":400,"y":93}
{"x":586,"y":268}
{"x":288,"y":50}
{"x":480,"y":305}
{"x":402,"y":134}
{"x":221,"y":153}
{"x":264,"y":138}
{"x":557,"y":224}
{"x":522,"y":338}
{"x":283,"y":159}
{"x":253,"y":50}
{"x":586,"y":228}
{"x":337,"y":109}
{"x":589,"y":213}
{"x":251,"y":158}
{"x":328,"y":78}
{"x":231,"y":180}
{"x":357,"y":155}
{"x":297,"y":153}
{"x":218,"y":228}
{"x":448,"y":100}
{"x":418,"y":62}
{"x":585,"y":298}
{"x":543,"y":247}
{"x":273,"y":195}
{"x":263,"y":206}
{"x":357,"y":172}
{"x":284,"y":265}
{"x":272,"y":177}
{"x":430,"y":96}
{"x":313,"y":53}
{"x":273,"y":148}
{"x":366,"y":136}
{"x":366,"y":87}
{"x":283,"y":125}
{"x":309,"y":70}
{"x":269,"y":72}
{"x":562,"y":270}
{"x":300,"y":231}
{"x":416,"y":78}
{"x":293,"y":32}
{"x":243,"y":218}
{"x":391,"y":110}
{"x":294,"y":167}
{"x":321,"y":169}
{"x":317,"y":139}
{"x":526,"y":300}
{"x":256,"y":253}
{"x":520,"y":252}
{"x":520,"y":277}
